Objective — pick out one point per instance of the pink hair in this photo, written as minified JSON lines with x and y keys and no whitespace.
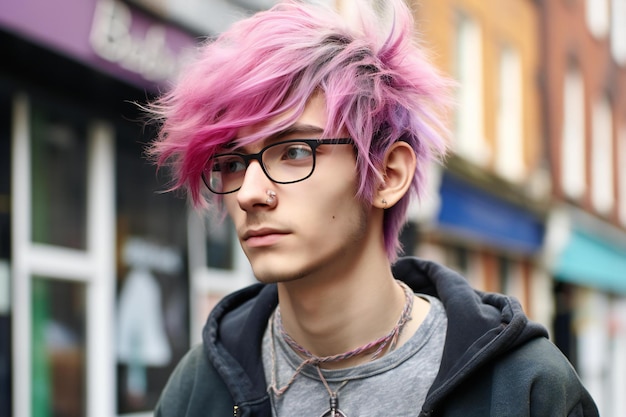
{"x":378,"y":87}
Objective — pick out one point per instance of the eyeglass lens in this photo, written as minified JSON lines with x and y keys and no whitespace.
{"x":282,"y":163}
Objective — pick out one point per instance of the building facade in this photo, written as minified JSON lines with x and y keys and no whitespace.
{"x":493,"y":196}
{"x":584,"y":75}
{"x":97,"y":266}
{"x":105,"y":281}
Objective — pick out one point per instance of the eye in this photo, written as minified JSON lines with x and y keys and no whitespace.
{"x":229,"y":165}
{"x":297,"y":151}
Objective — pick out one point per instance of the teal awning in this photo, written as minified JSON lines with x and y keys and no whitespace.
{"x":591,"y":261}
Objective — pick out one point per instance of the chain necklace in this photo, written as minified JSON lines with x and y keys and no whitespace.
{"x":390,"y":340}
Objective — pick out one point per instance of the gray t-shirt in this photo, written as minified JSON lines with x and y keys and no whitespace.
{"x":395,"y":384}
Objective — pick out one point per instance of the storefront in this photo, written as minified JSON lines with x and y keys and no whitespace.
{"x":588,"y":262}
{"x":104,"y":279}
{"x":494,"y":242}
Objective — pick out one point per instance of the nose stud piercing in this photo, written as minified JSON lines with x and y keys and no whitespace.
{"x":271,"y":197}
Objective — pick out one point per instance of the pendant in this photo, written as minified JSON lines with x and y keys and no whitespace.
{"x":334,"y":410}
{"x":334,"y":413}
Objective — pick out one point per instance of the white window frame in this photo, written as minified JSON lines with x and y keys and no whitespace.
{"x":573,"y":139}
{"x":602,"y":173}
{"x":93,"y":267}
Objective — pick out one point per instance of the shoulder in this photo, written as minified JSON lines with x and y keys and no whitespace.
{"x":537,"y":376}
{"x":540,"y":362}
{"x":194,"y":388}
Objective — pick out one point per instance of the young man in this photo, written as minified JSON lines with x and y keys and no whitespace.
{"x":313,"y":133}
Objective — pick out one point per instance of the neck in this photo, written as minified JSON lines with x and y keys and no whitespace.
{"x":348,"y":303}
{"x":343,"y":311}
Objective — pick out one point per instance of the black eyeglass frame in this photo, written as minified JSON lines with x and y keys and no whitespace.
{"x":247,"y":158}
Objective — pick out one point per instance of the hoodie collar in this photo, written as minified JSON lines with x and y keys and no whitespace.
{"x":480,"y":325}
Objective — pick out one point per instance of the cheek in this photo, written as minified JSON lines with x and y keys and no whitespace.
{"x":342,"y":206}
{"x":346,"y":215}
{"x":231,"y":208}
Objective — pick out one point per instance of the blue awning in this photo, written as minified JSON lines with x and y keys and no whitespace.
{"x":589,"y":260}
{"x":476,"y":214}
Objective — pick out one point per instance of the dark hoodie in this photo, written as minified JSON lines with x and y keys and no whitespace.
{"x":495,"y":361}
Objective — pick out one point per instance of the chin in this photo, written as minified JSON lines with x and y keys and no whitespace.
{"x":271,"y":271}
{"x":275,"y":275}
{"x":274,"y":267}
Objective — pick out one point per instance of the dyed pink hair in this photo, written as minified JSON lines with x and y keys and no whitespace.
{"x":379,"y":87}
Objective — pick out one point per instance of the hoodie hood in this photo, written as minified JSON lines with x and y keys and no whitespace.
{"x":481,"y":326}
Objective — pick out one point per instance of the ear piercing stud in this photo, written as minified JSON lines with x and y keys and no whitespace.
{"x":271,"y":197}
{"x":384,"y":202}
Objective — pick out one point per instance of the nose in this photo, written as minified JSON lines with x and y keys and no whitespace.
{"x":253,"y":191}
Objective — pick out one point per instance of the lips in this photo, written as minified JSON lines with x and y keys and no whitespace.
{"x":262,"y":237}
{"x":262,"y":232}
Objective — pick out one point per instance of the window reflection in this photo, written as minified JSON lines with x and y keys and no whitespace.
{"x":59,"y":177}
{"x":152,"y":323}
{"x":220,"y":239}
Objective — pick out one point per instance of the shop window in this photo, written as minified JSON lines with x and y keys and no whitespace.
{"x":59,"y":177}
{"x":602,"y":157}
{"x":617,"y":329}
{"x":220,"y":241}
{"x":58,"y":348}
{"x":152,"y":321}
{"x":563,"y":326}
{"x":217,"y":264}
{"x":573,"y":165}
{"x":593,"y":338}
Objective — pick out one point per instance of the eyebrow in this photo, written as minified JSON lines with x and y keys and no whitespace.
{"x":305,"y":130}
{"x":299,"y":128}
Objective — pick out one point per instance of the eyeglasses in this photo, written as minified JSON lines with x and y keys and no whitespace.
{"x":282,"y":162}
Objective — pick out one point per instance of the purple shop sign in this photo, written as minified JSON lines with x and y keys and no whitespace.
{"x":108,"y":35}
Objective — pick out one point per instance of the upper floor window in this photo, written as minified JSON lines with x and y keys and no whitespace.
{"x":597,"y":16}
{"x":602,"y":157}
{"x":618,"y":31}
{"x":469,"y":126}
{"x":509,"y":127}
{"x":572,"y":153}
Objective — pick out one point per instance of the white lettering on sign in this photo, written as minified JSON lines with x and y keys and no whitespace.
{"x":149,"y":56}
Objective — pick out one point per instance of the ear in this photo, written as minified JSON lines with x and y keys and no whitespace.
{"x":397,"y":171}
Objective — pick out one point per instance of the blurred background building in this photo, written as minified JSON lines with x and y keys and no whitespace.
{"x":105,"y":282}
